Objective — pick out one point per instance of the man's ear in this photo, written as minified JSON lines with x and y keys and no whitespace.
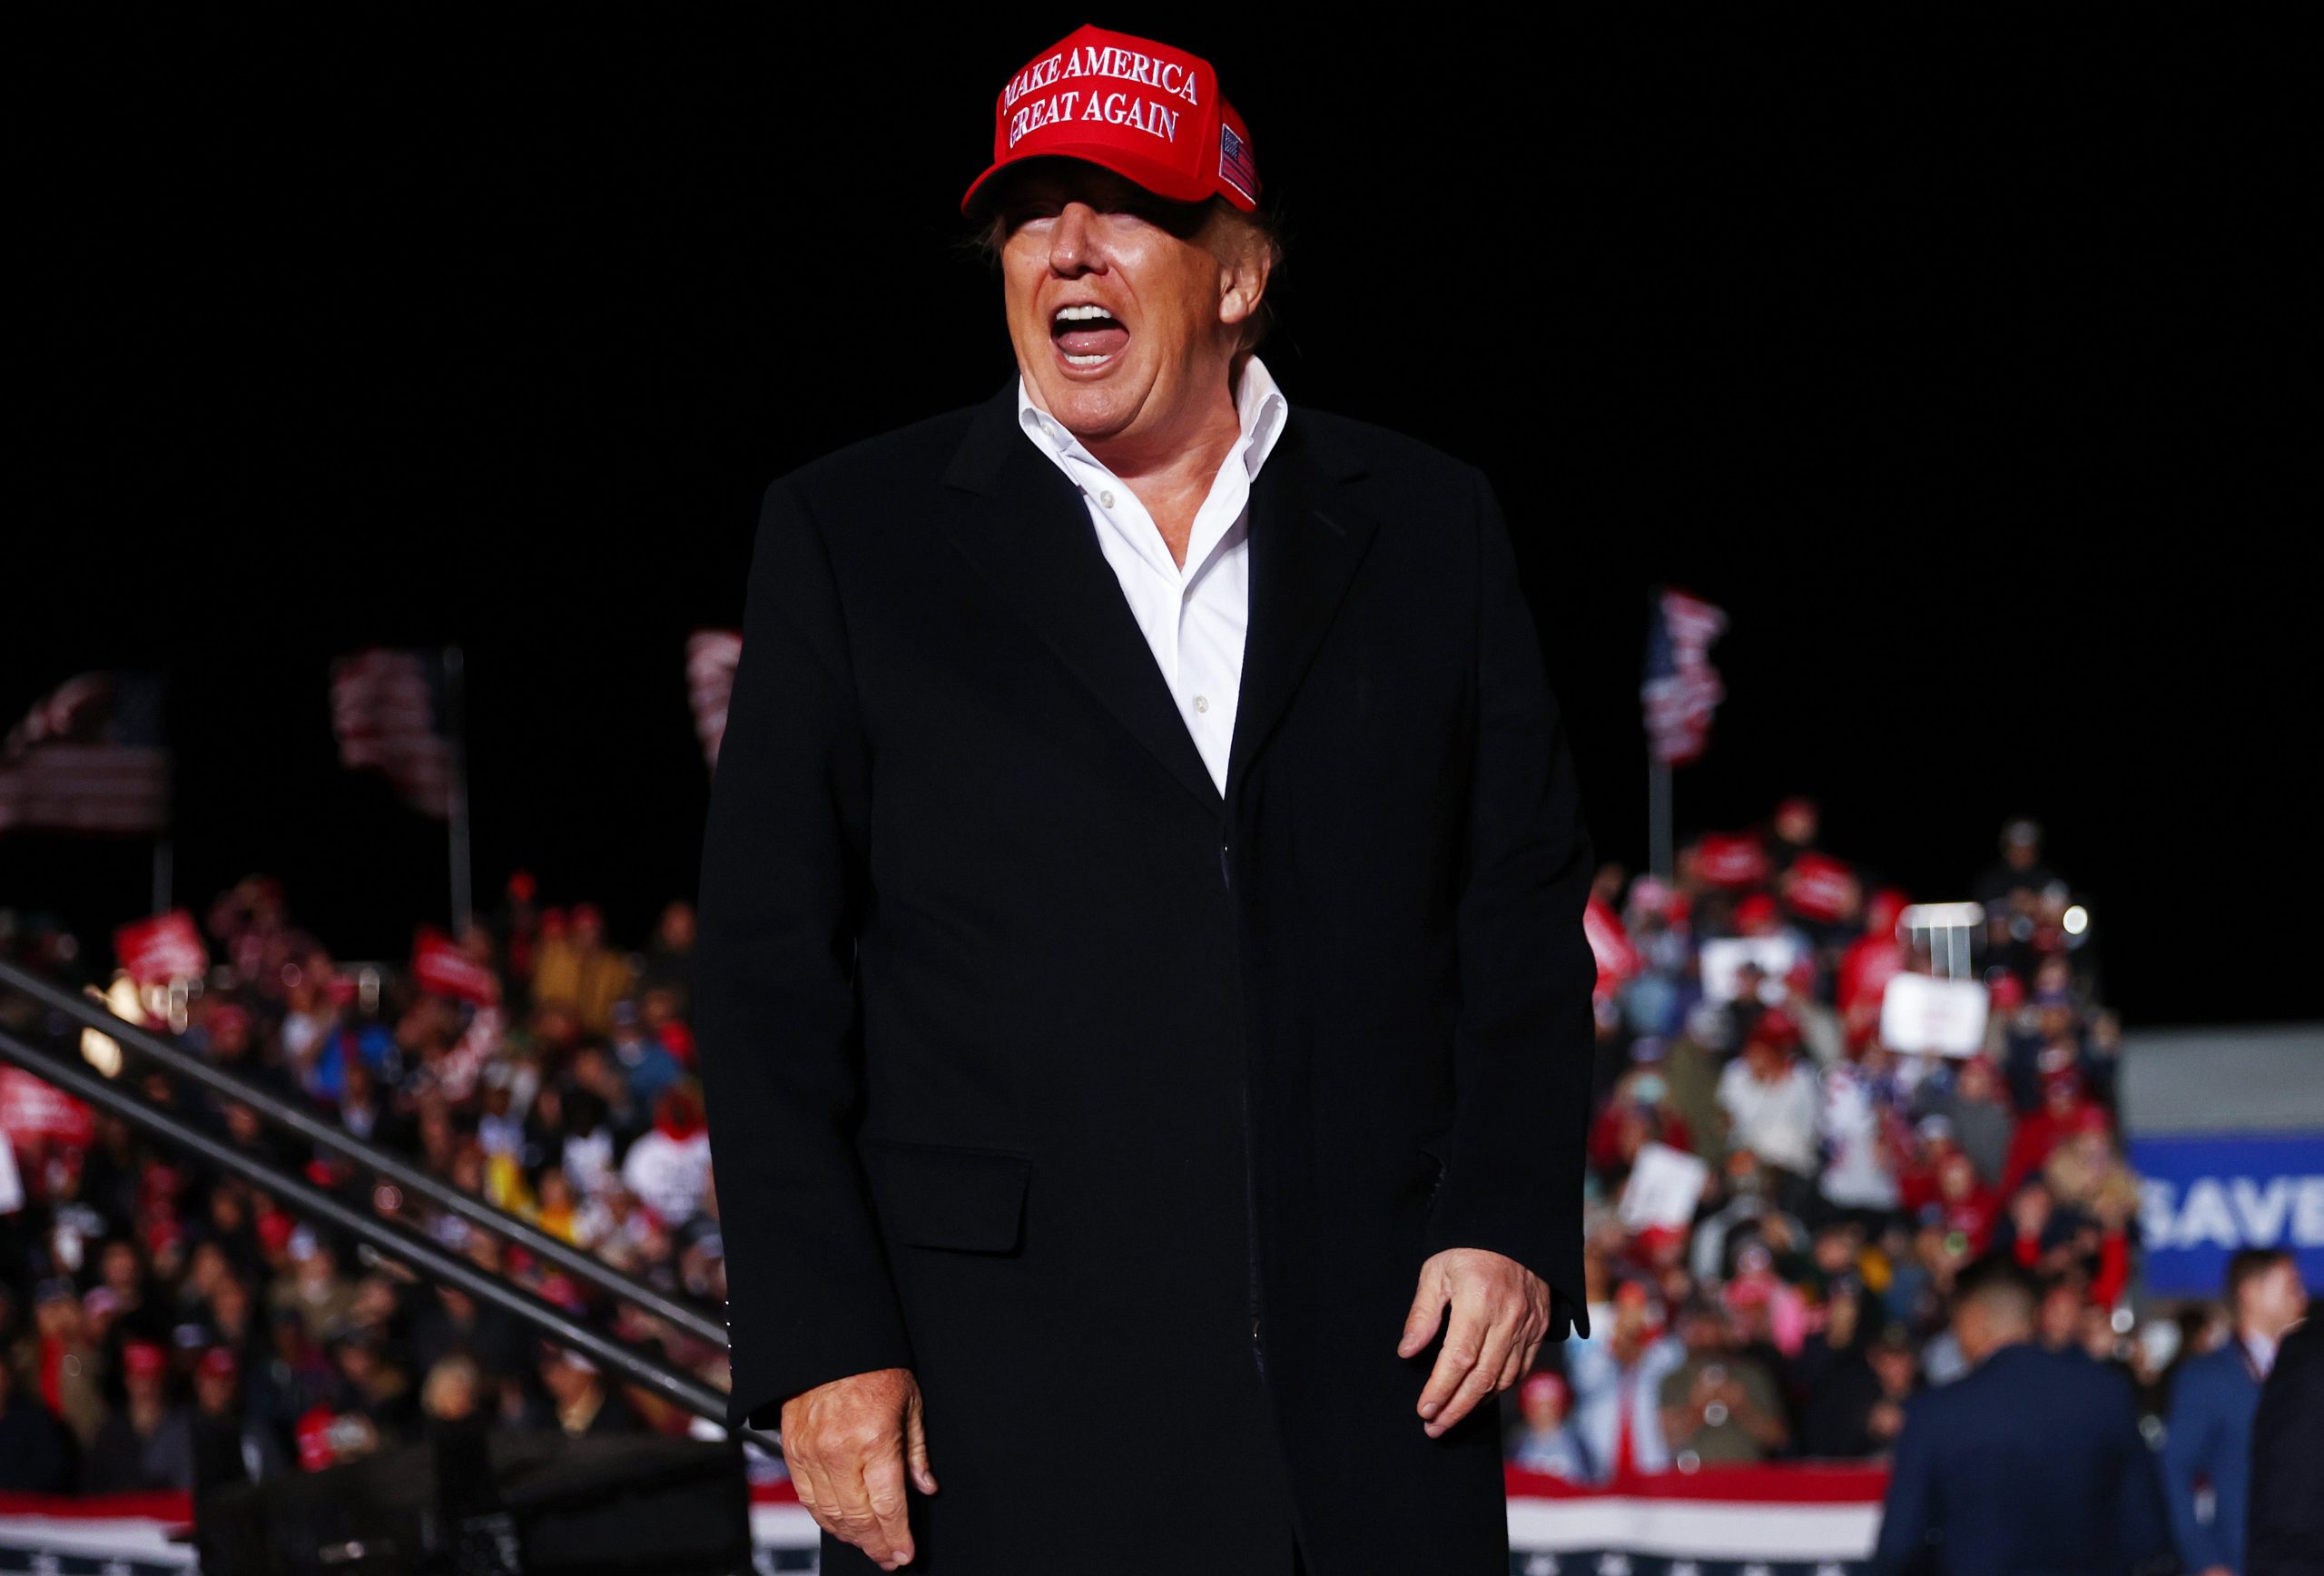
{"x":1243,"y":277}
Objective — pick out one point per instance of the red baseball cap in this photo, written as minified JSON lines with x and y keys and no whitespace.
{"x":1146,"y":112}
{"x":1542,"y":1382}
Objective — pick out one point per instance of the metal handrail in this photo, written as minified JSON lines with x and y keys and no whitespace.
{"x":395,"y":1240}
{"x":577,"y":1262}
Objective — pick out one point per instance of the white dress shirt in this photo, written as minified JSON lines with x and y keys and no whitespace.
{"x":1195,"y":618}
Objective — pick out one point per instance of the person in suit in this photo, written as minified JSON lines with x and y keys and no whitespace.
{"x":2207,"y":1436}
{"x":1142,"y":996}
{"x":2031,"y":1464}
{"x":2285,"y":1520}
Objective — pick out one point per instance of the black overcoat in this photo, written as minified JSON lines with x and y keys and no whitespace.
{"x":1036,"y":1066}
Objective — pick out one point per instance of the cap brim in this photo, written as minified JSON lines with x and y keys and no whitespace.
{"x":1156,"y":177}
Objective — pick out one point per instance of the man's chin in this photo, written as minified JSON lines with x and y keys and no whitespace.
{"x":1091,"y":411}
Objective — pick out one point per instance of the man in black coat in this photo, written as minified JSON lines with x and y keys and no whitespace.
{"x":2032,"y":1464}
{"x":1141,"y":989}
{"x":2285,"y":1536}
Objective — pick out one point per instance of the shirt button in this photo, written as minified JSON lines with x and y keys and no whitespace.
{"x":1201,"y":703}
{"x":1106,"y":499}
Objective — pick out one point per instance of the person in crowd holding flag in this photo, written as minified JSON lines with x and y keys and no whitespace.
{"x":1145,"y":700}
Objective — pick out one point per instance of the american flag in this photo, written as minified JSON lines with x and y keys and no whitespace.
{"x":1682,"y":688}
{"x":711,"y":655}
{"x":89,"y":757}
{"x":388,"y":708}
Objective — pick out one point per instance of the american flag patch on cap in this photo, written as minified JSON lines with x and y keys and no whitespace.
{"x":1234,"y":162}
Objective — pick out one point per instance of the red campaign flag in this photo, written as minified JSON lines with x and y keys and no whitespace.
{"x":1731,"y":859}
{"x":31,"y":1109}
{"x":439,"y":966}
{"x":711,"y":655}
{"x":165,"y":948}
{"x":1610,"y":944}
{"x":1866,"y":966}
{"x":1821,"y":887}
{"x":1681,"y":689}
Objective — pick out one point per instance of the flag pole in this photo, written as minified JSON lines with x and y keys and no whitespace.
{"x":1658,"y":770}
{"x":1658,"y":811}
{"x":165,"y":852}
{"x":456,"y":730}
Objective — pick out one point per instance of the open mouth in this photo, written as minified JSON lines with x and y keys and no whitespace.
{"x":1087,"y":335}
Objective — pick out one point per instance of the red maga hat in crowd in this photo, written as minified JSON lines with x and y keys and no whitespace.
{"x":1146,"y":112}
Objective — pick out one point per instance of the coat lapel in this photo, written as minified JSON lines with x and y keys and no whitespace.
{"x":1307,"y":537}
{"x":1026,"y":529}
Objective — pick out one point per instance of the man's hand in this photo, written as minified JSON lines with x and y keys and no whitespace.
{"x":1500,"y":1312}
{"x":847,"y":1444}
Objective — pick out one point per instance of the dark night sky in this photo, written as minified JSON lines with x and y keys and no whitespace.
{"x":1959,"y":368}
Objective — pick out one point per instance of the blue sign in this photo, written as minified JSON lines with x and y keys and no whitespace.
{"x":2202,"y":1196}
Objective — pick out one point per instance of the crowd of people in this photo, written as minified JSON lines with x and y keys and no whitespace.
{"x":164,"y":1323}
{"x":1791,"y":1309}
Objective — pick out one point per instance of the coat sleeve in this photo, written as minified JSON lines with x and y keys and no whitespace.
{"x":2190,"y":1445}
{"x":2145,"y":1525}
{"x":778,"y":1026}
{"x":1911,"y":1524}
{"x":1526,"y":1036}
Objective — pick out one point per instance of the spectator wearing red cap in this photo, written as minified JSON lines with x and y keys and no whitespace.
{"x":2064,"y":1109}
{"x":668,"y":1168}
{"x":148,"y":1442}
{"x":1544,"y":1440}
{"x":231,"y":1446}
{"x":1617,"y":1374}
{"x":1637,"y":1112}
{"x":1770,"y":1101}
{"x":1076,"y":849}
{"x":1866,"y":965}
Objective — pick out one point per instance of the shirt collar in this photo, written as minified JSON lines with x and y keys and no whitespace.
{"x":1259,"y":407}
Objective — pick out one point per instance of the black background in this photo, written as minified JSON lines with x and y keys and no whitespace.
{"x":1959,"y":368}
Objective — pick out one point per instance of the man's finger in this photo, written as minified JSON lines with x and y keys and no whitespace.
{"x":1464,"y":1346}
{"x":1532,"y":1351}
{"x":1499,"y":1335}
{"x":884,"y":1498}
{"x":1514,"y":1366}
{"x":853,"y":1520}
{"x":1420,"y":1323}
{"x":807,"y":1480}
{"x":916,"y":1445}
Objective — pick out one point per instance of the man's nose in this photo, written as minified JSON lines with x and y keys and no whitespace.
{"x":1074,"y":246}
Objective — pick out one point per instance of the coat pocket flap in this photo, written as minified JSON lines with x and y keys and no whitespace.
{"x":942,"y":1196}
